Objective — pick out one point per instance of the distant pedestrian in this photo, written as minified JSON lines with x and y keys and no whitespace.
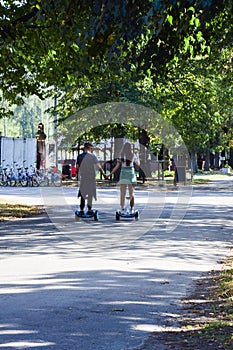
{"x":38,"y":160}
{"x":174,"y":168}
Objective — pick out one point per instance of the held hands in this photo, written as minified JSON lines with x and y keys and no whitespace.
{"x":106,"y":177}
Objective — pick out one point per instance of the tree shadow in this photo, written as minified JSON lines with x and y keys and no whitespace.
{"x":204,"y":322}
{"x":92,"y":309}
{"x":115,"y":295}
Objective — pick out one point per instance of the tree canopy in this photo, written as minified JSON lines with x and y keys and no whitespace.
{"x":173,"y":56}
{"x":62,"y":43}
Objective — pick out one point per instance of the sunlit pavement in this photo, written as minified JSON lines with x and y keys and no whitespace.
{"x":106,"y":285}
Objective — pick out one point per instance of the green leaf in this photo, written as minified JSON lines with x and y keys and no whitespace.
{"x":170,"y":19}
{"x":148,"y":72}
{"x":191,"y":8}
{"x":197,"y":22}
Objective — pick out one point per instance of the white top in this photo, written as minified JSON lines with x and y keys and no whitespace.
{"x":134,"y":160}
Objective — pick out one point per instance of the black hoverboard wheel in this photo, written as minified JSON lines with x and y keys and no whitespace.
{"x":94,"y":215}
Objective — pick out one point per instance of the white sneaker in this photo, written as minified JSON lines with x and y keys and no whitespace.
{"x":132,"y":211}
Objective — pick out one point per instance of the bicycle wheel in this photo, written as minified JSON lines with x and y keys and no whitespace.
{"x":24,"y":182}
{"x":4,"y":181}
{"x":44,"y":182}
{"x":56,"y":180}
{"x":12,"y":182}
{"x":29,"y":178}
{"x":35,"y":181}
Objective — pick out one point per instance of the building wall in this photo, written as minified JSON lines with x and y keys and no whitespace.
{"x":18,"y":150}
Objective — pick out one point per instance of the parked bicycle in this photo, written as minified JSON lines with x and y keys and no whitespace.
{"x":41,"y":177}
{"x":5,"y":175}
{"x":20,"y":176}
{"x":8,"y":176}
{"x":55,"y":178}
{"x":16,"y":175}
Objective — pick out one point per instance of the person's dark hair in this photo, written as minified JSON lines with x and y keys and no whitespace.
{"x":126,"y":154}
{"x":88,"y":145}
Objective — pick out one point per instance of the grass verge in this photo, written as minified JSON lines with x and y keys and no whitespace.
{"x":12,"y":211}
{"x":206,"y":319}
{"x":209,"y":323}
{"x":220,"y":329}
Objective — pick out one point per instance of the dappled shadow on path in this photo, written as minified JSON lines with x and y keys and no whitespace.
{"x":204,"y":324}
{"x":90,"y":309}
{"x":60,"y":292}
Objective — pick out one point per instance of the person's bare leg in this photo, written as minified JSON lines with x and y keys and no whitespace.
{"x":123,"y":194}
{"x":131,"y":196}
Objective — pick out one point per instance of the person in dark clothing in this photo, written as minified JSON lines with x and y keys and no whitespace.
{"x":86,"y":166}
{"x":173,"y":168}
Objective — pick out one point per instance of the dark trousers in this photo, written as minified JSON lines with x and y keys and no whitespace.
{"x":82,"y":202}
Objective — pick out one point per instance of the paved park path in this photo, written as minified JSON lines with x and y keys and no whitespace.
{"x":107,"y":285}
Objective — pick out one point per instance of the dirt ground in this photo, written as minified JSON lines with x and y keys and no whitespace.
{"x":203,"y":306}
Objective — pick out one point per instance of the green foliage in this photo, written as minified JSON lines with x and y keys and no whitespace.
{"x":24,"y":119}
{"x":172,"y":56}
{"x":168,"y":173}
{"x":46,"y":44}
{"x":196,"y":99}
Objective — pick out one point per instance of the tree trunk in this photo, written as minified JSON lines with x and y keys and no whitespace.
{"x":144,"y":140}
{"x":194,"y":166}
{"x":118,"y":144}
{"x":207,"y":162}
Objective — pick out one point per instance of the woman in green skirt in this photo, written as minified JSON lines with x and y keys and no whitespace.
{"x":126,"y":161}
